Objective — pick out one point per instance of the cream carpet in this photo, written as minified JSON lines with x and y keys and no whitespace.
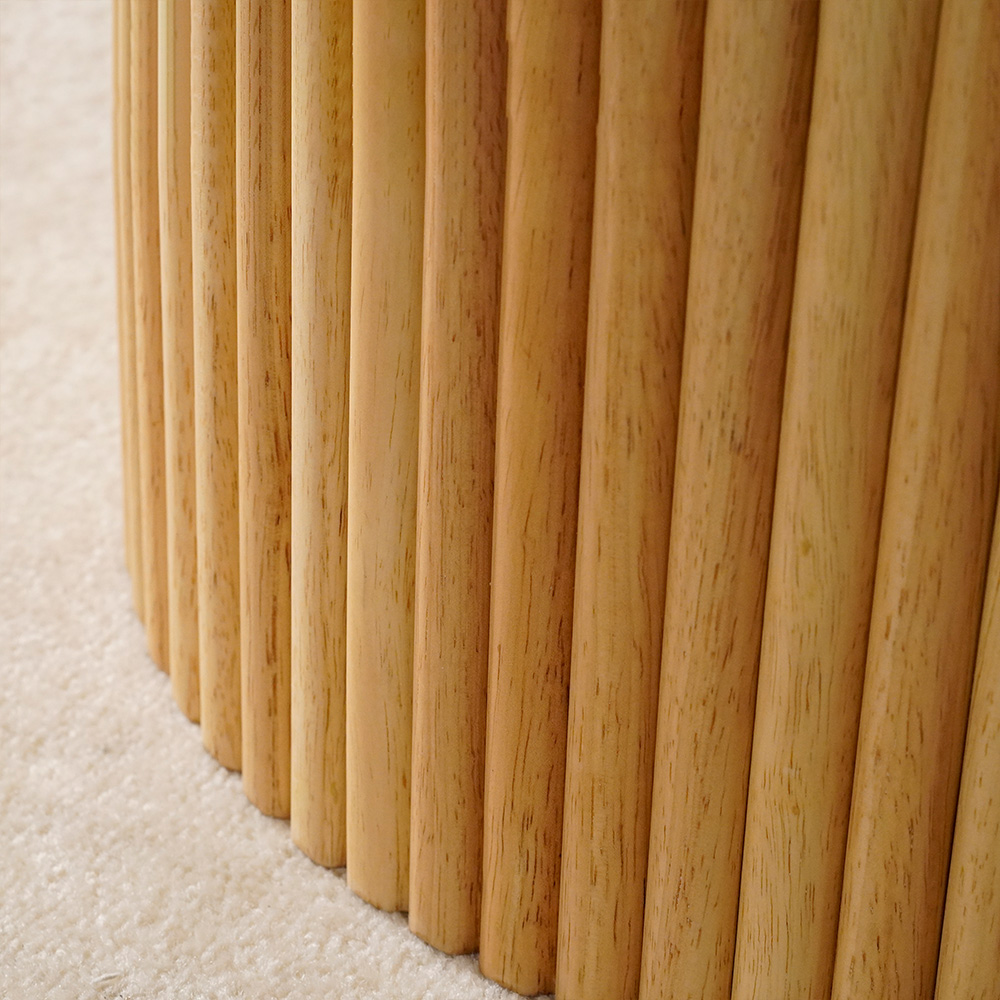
{"x":131,"y":865}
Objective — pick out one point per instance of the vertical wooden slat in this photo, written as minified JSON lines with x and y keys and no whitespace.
{"x":321,"y":311}
{"x":126,"y":299}
{"x":174,"y":149}
{"x":463,"y":223}
{"x":552,"y":112}
{"x":873,"y":72}
{"x":758,"y":66}
{"x":646,"y":153}
{"x":969,"y":963}
{"x":263,"y":258}
{"x":387,"y":209}
{"x":940,"y":493}
{"x":148,"y":325}
{"x":213,"y":207}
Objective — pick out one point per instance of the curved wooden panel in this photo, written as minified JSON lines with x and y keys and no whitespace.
{"x":124,"y":263}
{"x":758,"y":68}
{"x":866,"y":133}
{"x":213,"y":233}
{"x":388,"y":198}
{"x":463,"y":230}
{"x":263,"y":258}
{"x":552,"y":112}
{"x":646,"y":152}
{"x":968,"y":963}
{"x":148,"y":326}
{"x":321,"y":335}
{"x":940,"y":493}
{"x":178,"y":348}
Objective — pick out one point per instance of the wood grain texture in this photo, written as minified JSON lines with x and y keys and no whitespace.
{"x":148,"y":325}
{"x":388,"y":199}
{"x":873,"y":71}
{"x":124,"y":267}
{"x":463,"y":223}
{"x":968,"y":963}
{"x":758,"y":68}
{"x":940,"y":493}
{"x":174,"y":150}
{"x":263,"y":266}
{"x":646,"y":153}
{"x":213,"y":207}
{"x":552,"y":87}
{"x":321,"y":333}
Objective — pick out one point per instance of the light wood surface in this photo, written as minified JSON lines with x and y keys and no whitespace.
{"x":213,"y":207}
{"x":131,"y":481}
{"x":758,"y":69}
{"x":321,"y":331}
{"x":873,"y":71}
{"x":174,"y":150}
{"x":552,"y":110}
{"x":939,"y":503}
{"x":463,"y":230}
{"x":713,"y":736}
{"x":148,"y":325}
{"x":388,"y":198}
{"x":646,"y":152}
{"x":969,"y":962}
{"x":263,"y":266}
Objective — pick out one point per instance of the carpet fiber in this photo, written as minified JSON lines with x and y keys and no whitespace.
{"x":131,"y":865}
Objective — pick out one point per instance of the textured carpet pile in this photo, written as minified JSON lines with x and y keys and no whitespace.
{"x":131,"y":865}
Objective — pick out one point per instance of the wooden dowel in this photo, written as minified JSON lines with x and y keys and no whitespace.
{"x":263,"y":265}
{"x":213,"y":206}
{"x":552,"y":113}
{"x":940,"y":493}
{"x":463,"y":222}
{"x":758,"y":66}
{"x":869,"y":107}
{"x":646,"y":152}
{"x":387,"y":207}
{"x":126,"y":300}
{"x":968,"y":964}
{"x":321,"y":330}
{"x":174,"y":148}
{"x":148,"y":325}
